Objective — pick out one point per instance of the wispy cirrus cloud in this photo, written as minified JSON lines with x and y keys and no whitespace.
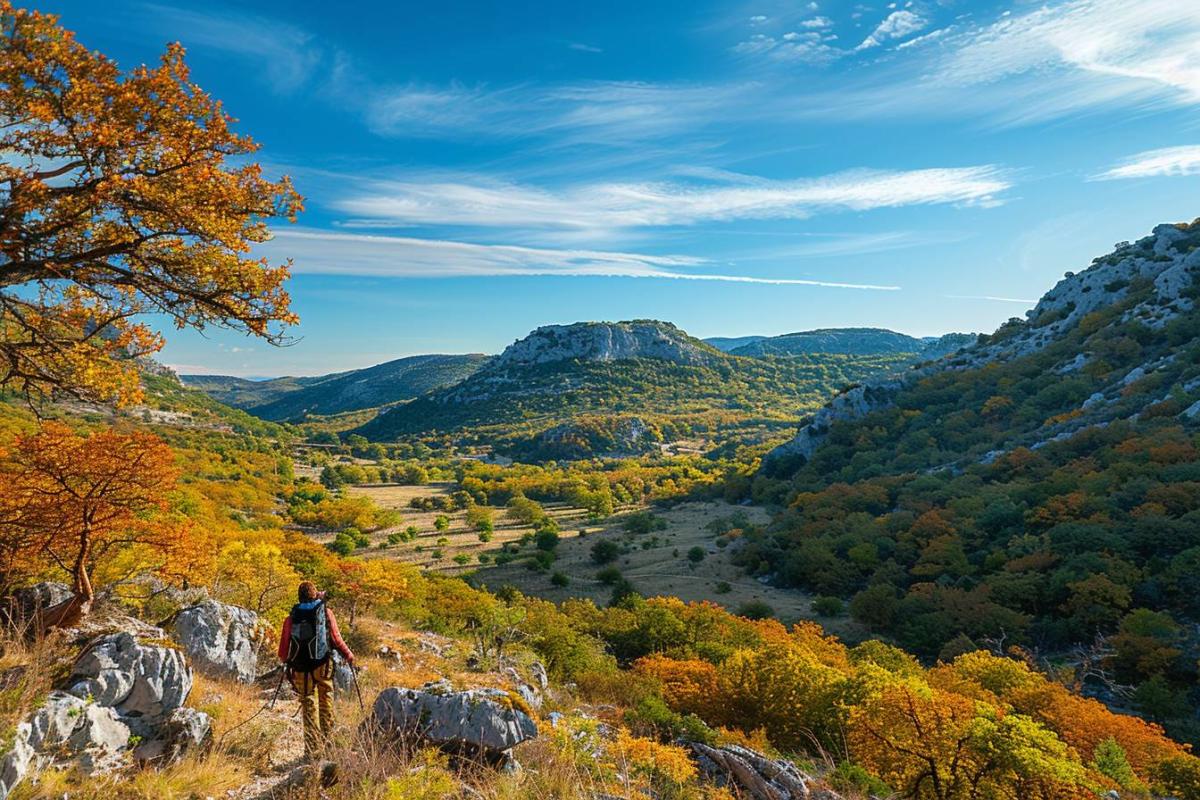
{"x":897,"y":25}
{"x":605,"y":112}
{"x":1166,"y":161}
{"x":604,"y":206}
{"x":1059,"y":59}
{"x":289,"y":56}
{"x":329,"y":253}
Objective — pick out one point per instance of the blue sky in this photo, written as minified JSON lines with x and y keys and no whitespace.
{"x":473,"y":170}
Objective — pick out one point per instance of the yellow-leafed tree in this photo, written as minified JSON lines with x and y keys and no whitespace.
{"x":68,"y":502}
{"x":117,"y":197}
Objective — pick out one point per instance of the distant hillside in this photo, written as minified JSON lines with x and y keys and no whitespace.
{"x":1040,"y":488}
{"x":852,"y":341}
{"x":608,"y":341}
{"x":727,"y":343}
{"x":243,"y":392}
{"x":655,"y":377}
{"x":384,"y":384}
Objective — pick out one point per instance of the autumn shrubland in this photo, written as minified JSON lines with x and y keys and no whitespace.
{"x":989,"y":573}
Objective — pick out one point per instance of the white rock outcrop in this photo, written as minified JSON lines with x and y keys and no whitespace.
{"x":220,"y":639}
{"x":477,"y":721}
{"x":143,"y":683}
{"x":756,"y":776}
{"x":65,"y":727}
{"x":606,"y":341}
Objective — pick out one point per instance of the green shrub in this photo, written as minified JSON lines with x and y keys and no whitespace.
{"x":609,"y":576}
{"x":755,"y":609}
{"x":605,"y":551}
{"x":827,"y":606}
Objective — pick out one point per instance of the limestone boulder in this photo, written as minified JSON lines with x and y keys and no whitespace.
{"x":754,"y":775}
{"x":142,"y":682}
{"x":221,"y":640}
{"x":64,"y":730}
{"x":483,"y":721}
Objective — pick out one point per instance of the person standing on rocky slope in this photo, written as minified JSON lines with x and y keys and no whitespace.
{"x":306,"y":644}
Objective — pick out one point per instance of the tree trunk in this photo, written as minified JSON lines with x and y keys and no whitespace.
{"x":68,"y":613}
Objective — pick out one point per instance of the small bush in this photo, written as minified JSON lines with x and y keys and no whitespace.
{"x":826,"y":606}
{"x":755,"y":609}
{"x":609,"y":576}
{"x":605,"y":551}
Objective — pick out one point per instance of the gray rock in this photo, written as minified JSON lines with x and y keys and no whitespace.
{"x":852,"y":404}
{"x":530,"y":695}
{"x":754,"y":774}
{"x":185,"y":731}
{"x":343,"y":674}
{"x":42,"y":595}
{"x":1135,"y":374}
{"x":64,"y":730}
{"x":143,"y":683}
{"x":537,"y":671}
{"x":221,"y":640}
{"x":990,"y":457}
{"x":27,"y":603}
{"x":606,"y":341}
{"x":482,"y":721}
{"x":1191,"y":411}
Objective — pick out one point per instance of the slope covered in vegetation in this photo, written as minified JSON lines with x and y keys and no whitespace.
{"x":1038,"y":489}
{"x":292,"y":399}
{"x":677,"y":386}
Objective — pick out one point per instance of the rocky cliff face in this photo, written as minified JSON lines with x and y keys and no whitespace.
{"x":1154,"y":276}
{"x":606,"y":341}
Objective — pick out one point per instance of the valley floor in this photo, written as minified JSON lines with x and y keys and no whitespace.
{"x":656,"y":563}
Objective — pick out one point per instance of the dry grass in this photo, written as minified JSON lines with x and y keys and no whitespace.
{"x":663,"y":569}
{"x":255,"y":748}
{"x":460,"y":538}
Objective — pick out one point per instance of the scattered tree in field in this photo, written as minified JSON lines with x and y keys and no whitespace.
{"x":123,"y":193}
{"x":826,"y":606}
{"x":605,"y":551}
{"x":70,"y":501}
{"x":480,"y":518}
{"x":525,"y":511}
{"x":441,"y":522}
{"x":546,"y":540}
{"x":755,"y":609}
{"x":695,"y":555}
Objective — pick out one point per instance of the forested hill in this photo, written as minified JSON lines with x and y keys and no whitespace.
{"x":674,"y":385}
{"x":853,"y":341}
{"x":1039,"y":489}
{"x":285,"y":399}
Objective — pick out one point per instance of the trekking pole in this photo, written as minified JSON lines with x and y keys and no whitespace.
{"x":358,"y":691}
{"x":278,"y":686}
{"x":270,"y":704}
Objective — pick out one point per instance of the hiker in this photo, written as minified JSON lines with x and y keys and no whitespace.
{"x":305,"y":647}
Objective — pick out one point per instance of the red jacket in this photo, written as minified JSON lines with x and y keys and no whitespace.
{"x":285,"y":637}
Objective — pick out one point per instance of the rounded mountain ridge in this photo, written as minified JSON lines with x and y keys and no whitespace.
{"x":607,"y":341}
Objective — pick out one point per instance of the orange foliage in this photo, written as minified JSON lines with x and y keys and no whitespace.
{"x":70,"y":501}
{"x":688,"y":686}
{"x":120,"y":200}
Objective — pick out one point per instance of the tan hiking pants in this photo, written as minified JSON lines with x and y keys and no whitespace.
{"x":316,"y":702}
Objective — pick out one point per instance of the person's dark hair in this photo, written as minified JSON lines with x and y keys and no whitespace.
{"x":307,"y":591}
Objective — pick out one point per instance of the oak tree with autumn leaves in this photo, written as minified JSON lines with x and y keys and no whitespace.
{"x":70,"y":501}
{"x":121,"y":193}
